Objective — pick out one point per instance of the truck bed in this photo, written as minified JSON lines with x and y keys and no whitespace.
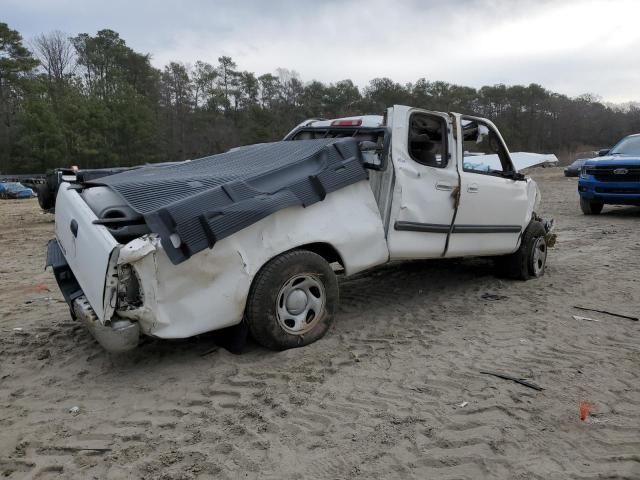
{"x":193,"y":205}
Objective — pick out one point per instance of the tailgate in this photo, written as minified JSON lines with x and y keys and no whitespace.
{"x":89,"y":249}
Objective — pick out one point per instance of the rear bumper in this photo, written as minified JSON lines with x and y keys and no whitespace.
{"x":118,"y":335}
{"x":611,"y":193}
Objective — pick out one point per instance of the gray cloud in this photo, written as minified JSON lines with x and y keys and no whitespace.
{"x":573,"y":47}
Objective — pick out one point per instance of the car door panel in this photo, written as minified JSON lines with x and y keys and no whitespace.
{"x":490,"y":218}
{"x":423,"y":196}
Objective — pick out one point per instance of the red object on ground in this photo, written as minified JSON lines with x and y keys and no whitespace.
{"x":585,"y":408}
{"x":41,"y":287}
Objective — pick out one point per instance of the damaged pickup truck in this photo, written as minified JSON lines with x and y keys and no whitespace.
{"x":254,"y":234}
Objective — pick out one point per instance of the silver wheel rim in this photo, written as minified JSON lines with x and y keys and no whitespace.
{"x":539,"y":256}
{"x":300,"y":303}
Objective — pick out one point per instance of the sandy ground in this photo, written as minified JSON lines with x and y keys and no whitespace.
{"x":379,"y":397}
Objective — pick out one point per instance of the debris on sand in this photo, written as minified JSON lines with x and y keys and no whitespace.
{"x":513,"y":379}
{"x":585,"y":409}
{"x":493,"y":296}
{"x":578,"y":317}
{"x":38,"y":300}
{"x":628,"y":317}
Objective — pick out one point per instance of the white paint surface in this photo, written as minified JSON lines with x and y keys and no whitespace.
{"x":422,"y":194}
{"x":209,"y":291}
{"x":89,"y":253}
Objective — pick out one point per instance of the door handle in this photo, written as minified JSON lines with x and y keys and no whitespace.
{"x":473,"y":188}
{"x":444,"y":186}
{"x":73,"y":226}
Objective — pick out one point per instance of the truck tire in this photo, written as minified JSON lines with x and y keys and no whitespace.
{"x":530,"y":260}
{"x":589,"y":207}
{"x":292,"y":300}
{"x":46,"y":198}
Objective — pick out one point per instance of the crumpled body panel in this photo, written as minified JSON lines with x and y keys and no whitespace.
{"x":209,"y":291}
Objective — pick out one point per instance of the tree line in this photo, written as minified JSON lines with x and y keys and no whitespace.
{"x":92,"y":101}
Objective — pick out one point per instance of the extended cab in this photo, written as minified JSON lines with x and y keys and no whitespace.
{"x":252,"y":234}
{"x":613,"y":178}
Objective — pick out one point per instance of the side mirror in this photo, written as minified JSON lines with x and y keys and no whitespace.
{"x":603,"y":152}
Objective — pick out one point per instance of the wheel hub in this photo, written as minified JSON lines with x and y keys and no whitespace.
{"x":296,"y":301}
{"x":300,"y":303}
{"x":539,"y":256}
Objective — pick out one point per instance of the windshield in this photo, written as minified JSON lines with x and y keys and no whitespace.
{"x":627,"y":146}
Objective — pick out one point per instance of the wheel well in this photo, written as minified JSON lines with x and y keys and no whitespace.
{"x":325,"y":250}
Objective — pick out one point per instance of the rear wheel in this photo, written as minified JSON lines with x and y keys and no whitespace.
{"x":589,"y":207}
{"x":292,"y":300}
{"x":530,"y":260}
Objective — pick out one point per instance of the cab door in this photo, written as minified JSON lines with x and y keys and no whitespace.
{"x":494,"y":199}
{"x":426,"y":183}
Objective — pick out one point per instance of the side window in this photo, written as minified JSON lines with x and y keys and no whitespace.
{"x":428,"y":140}
{"x":483,"y":152}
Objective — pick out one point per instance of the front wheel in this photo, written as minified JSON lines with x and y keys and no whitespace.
{"x":530,"y":260}
{"x":589,"y":207}
{"x":292,"y":300}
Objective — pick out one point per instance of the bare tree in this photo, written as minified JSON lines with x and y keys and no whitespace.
{"x":56,"y":54}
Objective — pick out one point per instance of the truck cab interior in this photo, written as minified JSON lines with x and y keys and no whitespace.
{"x":427,"y":144}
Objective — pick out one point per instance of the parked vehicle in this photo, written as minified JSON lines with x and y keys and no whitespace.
{"x":252,"y":234}
{"x":573,"y":170}
{"x":612,"y":179}
{"x":14,"y":190}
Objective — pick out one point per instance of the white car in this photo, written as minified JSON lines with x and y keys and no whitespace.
{"x":251,"y":235}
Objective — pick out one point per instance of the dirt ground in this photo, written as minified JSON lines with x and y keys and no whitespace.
{"x":393,"y":391}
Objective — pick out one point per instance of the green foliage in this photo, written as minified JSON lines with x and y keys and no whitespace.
{"x":93,"y":101}
{"x":16,"y":66}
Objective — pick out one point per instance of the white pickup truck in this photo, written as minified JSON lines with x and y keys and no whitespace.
{"x":177,"y":251}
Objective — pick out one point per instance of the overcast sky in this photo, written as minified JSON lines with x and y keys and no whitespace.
{"x":568,"y":46}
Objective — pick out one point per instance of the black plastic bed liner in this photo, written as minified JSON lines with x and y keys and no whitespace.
{"x":194,"y":204}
